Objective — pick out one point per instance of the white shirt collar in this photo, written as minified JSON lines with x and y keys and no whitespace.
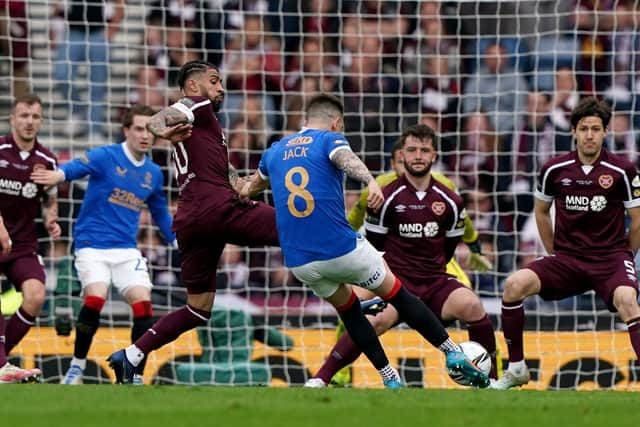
{"x":130,"y":156}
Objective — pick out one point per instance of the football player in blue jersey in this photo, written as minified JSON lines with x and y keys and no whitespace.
{"x":122,"y":181}
{"x":305,"y":171}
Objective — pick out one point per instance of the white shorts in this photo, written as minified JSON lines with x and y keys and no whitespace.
{"x":125,"y":268}
{"x":363,"y":267}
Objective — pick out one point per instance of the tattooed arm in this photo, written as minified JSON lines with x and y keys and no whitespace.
{"x":253,"y":185}
{"x":174,"y":122}
{"x":351,"y":164}
{"x":247,"y":186}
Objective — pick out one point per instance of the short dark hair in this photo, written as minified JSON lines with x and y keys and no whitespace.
{"x":420,"y":131}
{"x":28,"y":99}
{"x":591,"y":107}
{"x":193,"y":67}
{"x":325,"y":105}
{"x":136,"y":110}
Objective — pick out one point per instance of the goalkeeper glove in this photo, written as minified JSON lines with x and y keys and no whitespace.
{"x":62,"y":321}
{"x":373,"y":306}
{"x":477,"y":261}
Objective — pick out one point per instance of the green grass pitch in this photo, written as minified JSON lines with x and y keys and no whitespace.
{"x":104,"y":405}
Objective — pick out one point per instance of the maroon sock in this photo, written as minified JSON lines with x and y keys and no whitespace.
{"x":171,"y":326}
{"x":17,"y":328}
{"x":634,"y":335}
{"x":3,"y":352}
{"x":344,"y":353}
{"x":512,"y":327}
{"x":481,"y":331}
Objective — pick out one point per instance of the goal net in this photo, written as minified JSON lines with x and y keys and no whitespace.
{"x":496,"y":79}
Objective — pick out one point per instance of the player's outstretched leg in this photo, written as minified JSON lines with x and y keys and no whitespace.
{"x":125,"y":362}
{"x":419,"y":317}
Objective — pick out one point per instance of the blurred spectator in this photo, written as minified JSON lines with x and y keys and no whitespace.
{"x":498,"y":90}
{"x":252,"y":58}
{"x":529,"y":148}
{"x":429,"y":39}
{"x":244,"y":149}
{"x":385,"y":19}
{"x":149,"y":89}
{"x":593,"y":19}
{"x":371,"y":104}
{"x":624,"y":61}
{"x":565,"y":99}
{"x":440,"y":92}
{"x":177,"y":53}
{"x":87,"y":40}
{"x":14,"y":44}
{"x":623,"y":139}
{"x":315,"y":60}
{"x":252,"y":66}
{"x":193,"y":16}
{"x":476,"y":162}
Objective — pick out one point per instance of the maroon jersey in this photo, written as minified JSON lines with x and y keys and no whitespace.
{"x":590,"y":202}
{"x":201,"y":162}
{"x":412,"y":227}
{"x":20,"y":198}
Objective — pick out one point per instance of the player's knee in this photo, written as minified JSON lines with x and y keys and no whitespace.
{"x":33,"y":299}
{"x":625,"y":301}
{"x":473,"y":309}
{"x":518,"y":286}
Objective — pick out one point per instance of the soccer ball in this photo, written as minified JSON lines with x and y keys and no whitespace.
{"x":478,"y":355}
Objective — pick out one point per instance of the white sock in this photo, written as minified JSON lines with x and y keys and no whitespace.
{"x":134,"y":355}
{"x":448,"y":346}
{"x":389,"y":373}
{"x":517,"y":367}
{"x":82,"y":363}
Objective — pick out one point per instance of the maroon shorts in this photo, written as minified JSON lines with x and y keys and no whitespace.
{"x":20,"y":267}
{"x":434,"y":290}
{"x":563,"y":276}
{"x":201,"y":242}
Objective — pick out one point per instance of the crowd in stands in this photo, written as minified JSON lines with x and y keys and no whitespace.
{"x":496,"y":80}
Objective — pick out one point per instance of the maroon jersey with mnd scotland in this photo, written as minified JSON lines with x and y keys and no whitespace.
{"x":412,"y":227}
{"x":590,"y":202}
{"x":20,"y":198}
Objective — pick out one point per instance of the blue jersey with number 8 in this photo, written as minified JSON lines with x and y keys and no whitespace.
{"x":308,"y":196}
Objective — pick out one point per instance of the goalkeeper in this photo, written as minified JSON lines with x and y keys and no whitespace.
{"x":355,"y":216}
